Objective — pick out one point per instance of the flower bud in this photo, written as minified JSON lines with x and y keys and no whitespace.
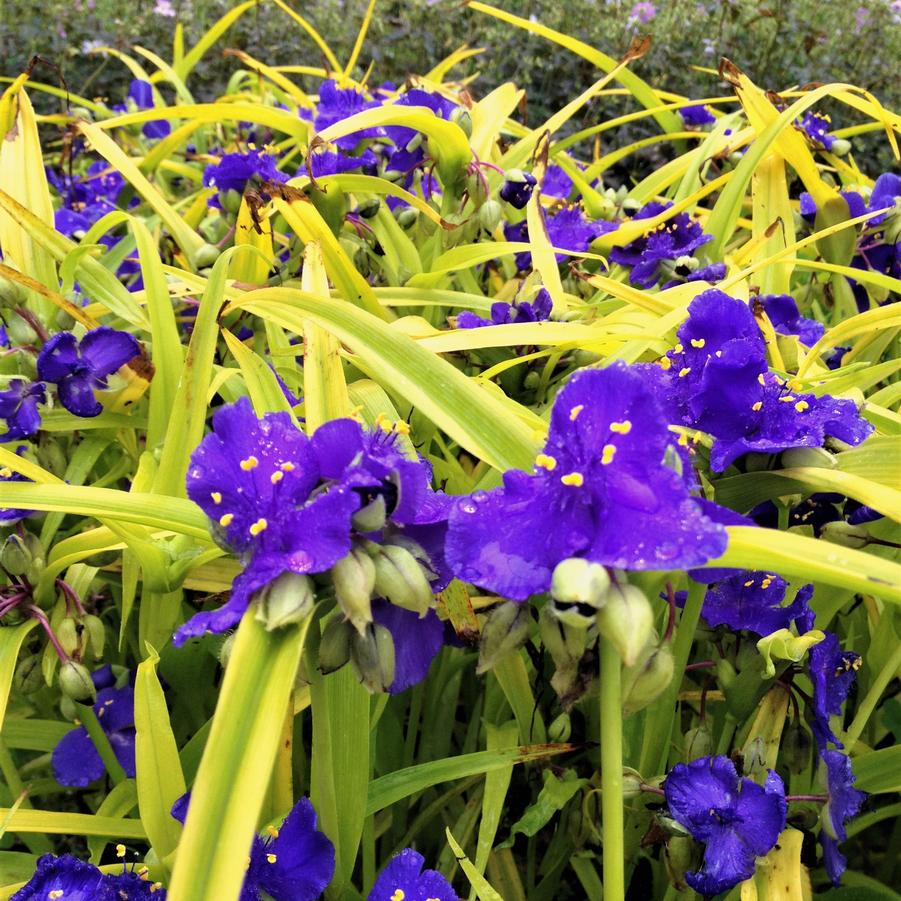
{"x":230,"y":201}
{"x":96,"y":635}
{"x":206,"y":255}
{"x":626,"y":620}
{"x":561,"y":728}
{"x":563,"y":637}
{"x":505,"y":630}
{"x":796,"y":747}
{"x":372,"y":517}
{"x":679,"y":858}
{"x":817,"y":457}
{"x":335,"y":644}
{"x":406,"y":217}
{"x":490,"y":215}
{"x":837,"y":248}
{"x":287,"y":600}
{"x":698,"y":742}
{"x":840,"y":147}
{"x":70,"y":633}
{"x":68,"y":708}
{"x":15,"y":557}
{"x":632,"y":783}
{"x":75,"y":682}
{"x":372,"y":653}
{"x":11,"y":294}
{"x":400,"y":578}
{"x":369,"y":208}
{"x":725,"y":673}
{"x":354,"y":579}
{"x":646,"y":681}
{"x":845,"y":534}
{"x":28,"y":677}
{"x":579,"y":581}
{"x":225,"y":650}
{"x":460,"y":116}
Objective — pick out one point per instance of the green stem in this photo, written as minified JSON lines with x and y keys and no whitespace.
{"x":101,"y":743}
{"x":868,"y":705}
{"x":612,"y":772}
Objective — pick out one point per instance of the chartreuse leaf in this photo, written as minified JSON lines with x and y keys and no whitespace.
{"x":807,"y":559}
{"x":553,"y":797}
{"x":262,"y":385}
{"x":475,"y":419}
{"x":879,"y":772}
{"x":190,"y":59}
{"x":252,"y":267}
{"x":159,"y":777}
{"x":11,"y":641}
{"x":22,"y":176}
{"x":480,"y":886}
{"x":33,"y":735}
{"x":237,"y":762}
{"x":52,"y":822}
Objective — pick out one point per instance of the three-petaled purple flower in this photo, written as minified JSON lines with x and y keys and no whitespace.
{"x":567,"y":229}
{"x":70,"y":879}
{"x":678,"y":237}
{"x":602,"y":479}
{"x":697,"y":114}
{"x":517,"y":189}
{"x":78,"y":367}
{"x":843,"y":802}
{"x":403,"y":877}
{"x":753,"y":601}
{"x":19,"y":407}
{"x":736,"y":819}
{"x":75,"y":760}
{"x":782,"y":311}
{"x":140,"y":93}
{"x":235,"y":170}
{"x":336,"y":104}
{"x":502,"y":313}
{"x":816,"y":127}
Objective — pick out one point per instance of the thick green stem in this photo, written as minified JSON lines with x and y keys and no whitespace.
{"x":868,"y":704}
{"x":612,"y":772}
{"x":101,"y":743}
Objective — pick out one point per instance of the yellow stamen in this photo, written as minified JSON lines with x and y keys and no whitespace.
{"x":56,"y":893}
{"x":155,"y":887}
{"x":684,"y":371}
{"x":276,"y":477}
{"x":801,"y":406}
{"x":678,"y":349}
{"x":607,"y":453}
{"x":766,"y":583}
{"x":272,"y":858}
{"x":259,"y":526}
{"x":272,"y":831}
{"x":719,"y":353}
{"x":226,"y":519}
{"x":698,"y":342}
{"x":546,"y":462}
{"x":574,"y":479}
{"x":401,"y":427}
{"x":665,"y":363}
{"x":683,"y":440}
{"x":250,"y":463}
{"x":216,"y":496}
{"x":287,"y":467}
{"x":761,"y":379}
{"x":120,"y":850}
{"x":6,"y":472}
{"x":399,"y":895}
{"x":575,"y":411}
{"x":787,"y":399}
{"x":757,"y":405}
{"x":621,"y":428}
{"x":749,"y":583}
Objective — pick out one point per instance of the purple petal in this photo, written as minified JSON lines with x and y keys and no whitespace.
{"x":104,"y":350}
{"x":416,"y":642}
{"x":76,"y":393}
{"x":75,"y":760}
{"x":58,"y":357}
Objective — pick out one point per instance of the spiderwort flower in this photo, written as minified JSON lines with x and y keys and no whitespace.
{"x":79,"y":367}
{"x":567,"y":229}
{"x":678,"y":237}
{"x":602,"y":480}
{"x":697,"y":114}
{"x":403,"y":879}
{"x":70,"y":879}
{"x":140,"y":92}
{"x":235,"y":170}
{"x":517,"y":189}
{"x":816,"y":127}
{"x":416,"y":642}
{"x":736,"y":819}
{"x":502,"y":313}
{"x":19,"y":407}
{"x":336,"y":104}
{"x":76,"y":762}
{"x":844,"y":801}
{"x":753,"y":601}
{"x":885,"y":196}
{"x":782,"y":311}
{"x":832,"y":672}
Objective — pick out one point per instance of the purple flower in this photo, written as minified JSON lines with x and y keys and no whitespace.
{"x":141,"y":93}
{"x":336,"y":104}
{"x":753,"y":601}
{"x":502,"y":313}
{"x":401,"y":135}
{"x":643,"y":12}
{"x":235,"y":170}
{"x":567,"y":229}
{"x":517,"y":189}
{"x":844,"y":801}
{"x":602,"y":480}
{"x":76,"y":762}
{"x":832,"y":672}
{"x":68,"y":878}
{"x":678,"y":237}
{"x":736,"y":819}
{"x":416,"y":642}
{"x":334,"y":162}
{"x":815,"y":126}
{"x":19,"y":407}
{"x":697,"y":114}
{"x":78,"y":367}
{"x":9,"y":515}
{"x":716,"y":379}
{"x":782,"y":311}
{"x":885,"y":196}
{"x":293,"y":863}
{"x":556,"y":183}
{"x":404,"y":877}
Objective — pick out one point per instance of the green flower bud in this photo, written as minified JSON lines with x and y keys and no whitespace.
{"x":230,"y":201}
{"x":796,"y":747}
{"x":679,"y":857}
{"x":845,"y":534}
{"x":505,"y":630}
{"x":225,"y":650}
{"x":840,"y":147}
{"x":632,"y":783}
{"x":335,"y":645}
{"x":51,"y":456}
{"x":817,"y":457}
{"x":372,"y":654}
{"x":28,"y":677}
{"x":407,"y":217}
{"x":372,"y":517}
{"x":15,"y":556}
{"x":460,"y":116}
{"x":11,"y":293}
{"x":368,"y":208}
{"x":626,"y":620}
{"x":629,"y":205}
{"x":725,"y":673}
{"x":564,"y":637}
{"x":96,"y":635}
{"x":68,"y":708}
{"x":490,"y":215}
{"x":75,"y":682}
{"x":289,"y":599}
{"x":579,"y":581}
{"x":354,"y":579}
{"x":837,"y":248}
{"x":70,"y":633}
{"x":698,"y":742}
{"x":647,"y":680}
{"x":561,"y":728}
{"x":206,"y":254}
{"x":400,"y":578}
